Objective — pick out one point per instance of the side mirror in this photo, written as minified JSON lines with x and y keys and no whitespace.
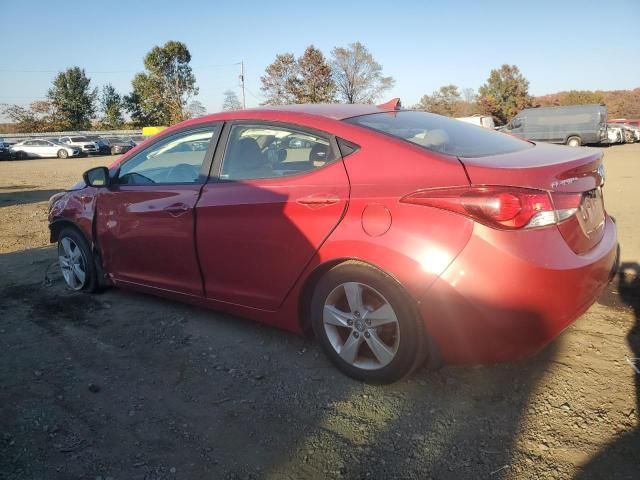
{"x":96,"y":177}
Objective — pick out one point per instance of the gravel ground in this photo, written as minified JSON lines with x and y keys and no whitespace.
{"x":127,"y":386}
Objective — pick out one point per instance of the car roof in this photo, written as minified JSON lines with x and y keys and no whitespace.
{"x":335,"y":111}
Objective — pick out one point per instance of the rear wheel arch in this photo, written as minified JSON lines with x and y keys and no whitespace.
{"x":417,"y":346}
{"x":306,"y":293}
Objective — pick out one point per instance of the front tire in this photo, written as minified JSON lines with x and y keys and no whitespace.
{"x":62,"y":153}
{"x":367,"y":324}
{"x":76,"y":261}
{"x":574,"y":141}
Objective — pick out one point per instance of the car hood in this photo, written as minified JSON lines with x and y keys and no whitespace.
{"x":77,"y":186}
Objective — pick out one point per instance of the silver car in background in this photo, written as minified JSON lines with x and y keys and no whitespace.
{"x":42,"y":149}
{"x":615,"y":134}
{"x":85,"y":145}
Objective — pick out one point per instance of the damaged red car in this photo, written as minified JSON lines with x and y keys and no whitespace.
{"x":396,"y":237}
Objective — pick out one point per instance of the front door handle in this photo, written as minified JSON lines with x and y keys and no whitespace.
{"x":177,"y":209}
{"x":318,"y":199}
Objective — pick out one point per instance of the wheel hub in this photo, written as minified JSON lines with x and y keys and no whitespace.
{"x":361,"y":326}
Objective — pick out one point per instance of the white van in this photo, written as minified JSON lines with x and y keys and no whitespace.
{"x":481,"y":120}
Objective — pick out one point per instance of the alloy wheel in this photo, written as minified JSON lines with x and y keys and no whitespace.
{"x":72,"y":263}
{"x":361,"y":326}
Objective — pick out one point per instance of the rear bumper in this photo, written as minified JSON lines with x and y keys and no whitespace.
{"x":508,"y":294}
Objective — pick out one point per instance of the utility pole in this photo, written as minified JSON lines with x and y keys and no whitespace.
{"x":244,"y":105}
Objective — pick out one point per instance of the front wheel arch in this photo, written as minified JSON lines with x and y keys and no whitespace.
{"x":57,"y":226}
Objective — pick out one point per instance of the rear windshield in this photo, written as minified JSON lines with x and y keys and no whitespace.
{"x":441,"y":134}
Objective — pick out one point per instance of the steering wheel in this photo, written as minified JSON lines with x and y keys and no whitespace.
{"x":183,"y":173}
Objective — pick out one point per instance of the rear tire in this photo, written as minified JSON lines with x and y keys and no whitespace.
{"x":574,"y":141}
{"x":367,"y":324}
{"x":21,"y":156}
{"x":62,"y":153}
{"x":77,"y":263}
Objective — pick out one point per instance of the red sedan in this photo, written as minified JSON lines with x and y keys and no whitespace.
{"x":394,"y":236}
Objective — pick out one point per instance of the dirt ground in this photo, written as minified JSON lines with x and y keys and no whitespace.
{"x":126,"y":386}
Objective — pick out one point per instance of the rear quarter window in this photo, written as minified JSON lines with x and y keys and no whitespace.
{"x":441,"y":134}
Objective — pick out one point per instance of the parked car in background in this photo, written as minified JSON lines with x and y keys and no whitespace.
{"x":615,"y":133}
{"x":119,"y":145}
{"x":635,"y":130}
{"x":5,"y":154}
{"x":85,"y":145}
{"x":574,"y":125}
{"x":480,"y":120}
{"x":43,"y":149}
{"x":629,"y":134}
{"x":634,"y":122}
{"x":103,"y":146}
{"x":137,"y":139}
{"x":469,"y":247}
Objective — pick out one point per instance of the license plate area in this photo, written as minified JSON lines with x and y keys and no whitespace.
{"x":591,"y":215}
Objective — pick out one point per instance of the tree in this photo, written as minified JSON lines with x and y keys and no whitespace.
{"x":357,"y":75}
{"x":195,"y":109}
{"x":280,"y":83}
{"x":444,"y":101}
{"x":315,"y":83}
{"x":73,"y":99}
{"x":161,"y":93}
{"x":112,"y":104}
{"x":504,"y":94}
{"x":37,"y":117}
{"x":581,"y":97}
{"x":231,"y":101}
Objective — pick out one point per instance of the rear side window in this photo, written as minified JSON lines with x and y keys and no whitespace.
{"x":270,"y":151}
{"x":441,"y":134}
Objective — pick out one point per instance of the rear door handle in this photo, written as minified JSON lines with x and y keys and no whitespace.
{"x":177,"y":209}
{"x":319,"y":199}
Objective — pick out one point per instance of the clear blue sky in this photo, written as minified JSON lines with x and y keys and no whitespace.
{"x":558,"y":45}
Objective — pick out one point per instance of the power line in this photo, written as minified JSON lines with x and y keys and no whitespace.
{"x":93,"y":72}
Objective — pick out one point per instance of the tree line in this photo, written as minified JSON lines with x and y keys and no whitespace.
{"x":163,"y":94}
{"x":506,"y":92}
{"x":160,"y":95}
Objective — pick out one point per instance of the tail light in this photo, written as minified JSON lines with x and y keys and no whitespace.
{"x":506,"y":208}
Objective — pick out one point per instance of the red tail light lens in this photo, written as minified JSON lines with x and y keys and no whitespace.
{"x":499,"y":207}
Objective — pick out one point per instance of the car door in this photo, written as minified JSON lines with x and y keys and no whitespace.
{"x":279,"y":193}
{"x":35,"y":148}
{"x":51,"y":149}
{"x":145,"y":219}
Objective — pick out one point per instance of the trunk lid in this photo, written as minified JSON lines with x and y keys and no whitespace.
{"x":569,"y":174}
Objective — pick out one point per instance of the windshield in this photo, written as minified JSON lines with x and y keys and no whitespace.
{"x":441,"y":134}
{"x":79,"y":139}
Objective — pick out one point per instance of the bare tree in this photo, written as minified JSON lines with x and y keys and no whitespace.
{"x":231,"y":101}
{"x":195,"y":109}
{"x":357,"y":75}
{"x":469,"y":95}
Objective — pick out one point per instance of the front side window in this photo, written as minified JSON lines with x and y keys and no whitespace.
{"x":268,"y":151}
{"x":176,"y":159}
{"x":441,"y":134}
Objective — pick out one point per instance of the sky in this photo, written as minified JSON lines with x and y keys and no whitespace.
{"x":558,"y":45}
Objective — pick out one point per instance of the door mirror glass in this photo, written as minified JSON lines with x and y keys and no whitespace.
{"x":96,"y":177}
{"x":516,"y":123}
